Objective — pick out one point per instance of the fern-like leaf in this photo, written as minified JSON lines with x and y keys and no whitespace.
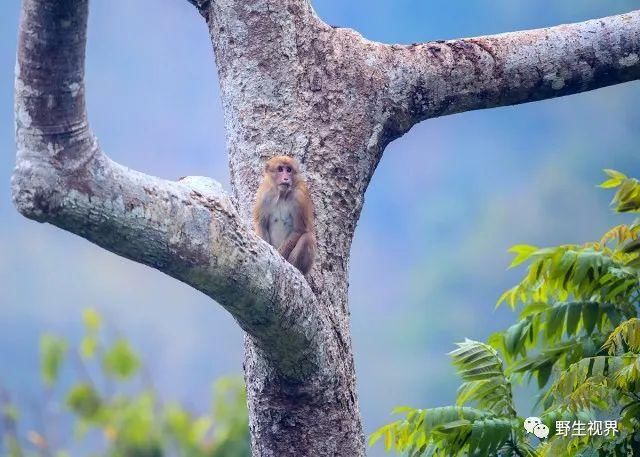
{"x":447,"y":432}
{"x":624,"y":337}
{"x":485,"y":384}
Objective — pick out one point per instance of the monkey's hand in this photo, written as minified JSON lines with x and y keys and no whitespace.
{"x":288,"y":244}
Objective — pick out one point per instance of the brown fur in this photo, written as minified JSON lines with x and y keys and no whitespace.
{"x":283,"y":214}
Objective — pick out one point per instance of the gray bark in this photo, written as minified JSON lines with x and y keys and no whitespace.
{"x":290,"y":84}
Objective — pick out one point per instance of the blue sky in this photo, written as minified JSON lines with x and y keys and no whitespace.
{"x":447,"y":201}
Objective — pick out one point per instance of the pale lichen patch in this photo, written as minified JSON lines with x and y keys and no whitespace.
{"x":204,"y":185}
{"x":74,"y":88}
{"x":24,"y":89}
{"x":371,"y":60}
{"x":629,"y":60}
{"x":374,"y":140}
{"x":557,"y":81}
{"x":23,"y":117}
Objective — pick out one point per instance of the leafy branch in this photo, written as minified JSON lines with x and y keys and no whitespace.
{"x":577,"y":333}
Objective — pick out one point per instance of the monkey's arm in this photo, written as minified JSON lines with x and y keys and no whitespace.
{"x":302,"y":219}
{"x":261,"y":217}
{"x":262,"y":229}
{"x":289,"y":243}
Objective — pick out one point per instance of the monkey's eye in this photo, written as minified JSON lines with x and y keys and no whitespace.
{"x":288,"y":169}
{"x":280,"y":169}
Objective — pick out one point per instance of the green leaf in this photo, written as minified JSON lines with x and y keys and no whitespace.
{"x":137,"y":428}
{"x":544,"y":372}
{"x":615,"y":174}
{"x":630,"y":413}
{"x":523,"y":252}
{"x":120,"y":361}
{"x":615,"y":179}
{"x":179,"y":423}
{"x":201,"y":427}
{"x":533,"y":309}
{"x":92,"y":320}
{"x":450,"y":430}
{"x":610,"y":183}
{"x":574,"y":311}
{"x":555,"y":322}
{"x":52,"y":353}
{"x":10,"y":413}
{"x":513,"y":337}
{"x":88,"y":347}
{"x":590,"y":314}
{"x":401,"y":409}
{"x":627,"y":334}
{"x":84,"y":401}
{"x":485,"y":382}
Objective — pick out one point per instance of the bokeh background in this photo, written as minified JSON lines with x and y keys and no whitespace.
{"x":429,"y":258}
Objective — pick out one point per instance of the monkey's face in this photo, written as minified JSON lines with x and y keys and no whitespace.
{"x":282,"y":171}
{"x":284,"y":176}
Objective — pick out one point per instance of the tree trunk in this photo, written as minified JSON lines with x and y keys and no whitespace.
{"x":293,"y":85}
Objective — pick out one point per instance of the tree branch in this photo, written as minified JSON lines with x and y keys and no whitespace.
{"x":189,"y":229}
{"x":445,"y":77}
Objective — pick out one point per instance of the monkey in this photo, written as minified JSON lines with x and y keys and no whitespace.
{"x":283,"y":213}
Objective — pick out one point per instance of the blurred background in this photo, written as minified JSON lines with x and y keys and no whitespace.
{"x":434,"y":234}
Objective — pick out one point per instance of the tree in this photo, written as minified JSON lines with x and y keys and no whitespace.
{"x":293,"y":84}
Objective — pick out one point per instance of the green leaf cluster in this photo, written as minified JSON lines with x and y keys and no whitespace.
{"x":577,"y":334}
{"x":132,"y":422}
{"x":488,"y":428}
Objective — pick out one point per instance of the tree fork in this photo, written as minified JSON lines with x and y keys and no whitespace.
{"x":290,"y":84}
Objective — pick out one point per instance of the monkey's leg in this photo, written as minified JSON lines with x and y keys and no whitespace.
{"x":303,"y":254}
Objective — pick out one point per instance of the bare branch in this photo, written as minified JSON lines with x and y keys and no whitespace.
{"x":445,"y":77}
{"x":189,"y":229}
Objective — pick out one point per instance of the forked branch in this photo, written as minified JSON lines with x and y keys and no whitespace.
{"x":189,"y":229}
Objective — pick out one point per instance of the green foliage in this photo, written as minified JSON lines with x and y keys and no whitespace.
{"x":120,"y":361}
{"x":446,"y":432}
{"x":627,"y":197}
{"x":590,"y":272}
{"x":486,"y":385}
{"x":226,"y":430}
{"x":133,"y":424}
{"x":52,"y":353}
{"x":577,"y":334}
{"x":229,"y":411}
{"x":489,"y":427}
{"x":84,"y":401}
{"x":8,"y":418}
{"x":625,"y":337}
{"x":92,"y":321}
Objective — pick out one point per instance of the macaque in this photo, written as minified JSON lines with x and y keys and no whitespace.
{"x":283,"y":213}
